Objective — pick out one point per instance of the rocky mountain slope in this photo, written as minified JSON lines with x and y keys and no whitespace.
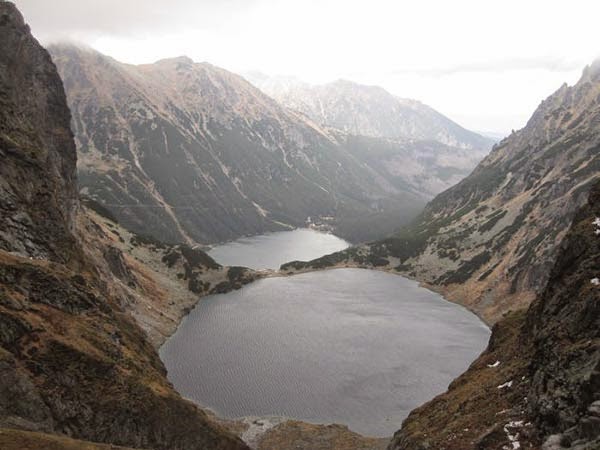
{"x":73,"y":360}
{"x":538,"y":382}
{"x":38,"y":194}
{"x":26,"y":440}
{"x":370,"y":111}
{"x":190,"y":152}
{"x":490,"y":241}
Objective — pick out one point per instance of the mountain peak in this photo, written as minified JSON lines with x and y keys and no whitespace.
{"x":9,"y":14}
{"x":591,"y":72}
{"x":344,"y":82}
{"x":371,"y":111}
{"x":183,"y":59}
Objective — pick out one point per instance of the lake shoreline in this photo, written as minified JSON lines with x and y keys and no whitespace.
{"x":252,"y":427}
{"x":273,"y":333}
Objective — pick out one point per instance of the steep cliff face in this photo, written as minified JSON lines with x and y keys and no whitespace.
{"x":73,"y":360}
{"x":563,"y":325}
{"x":490,"y":241}
{"x":187,"y":151}
{"x":38,"y":196}
{"x":538,"y":383}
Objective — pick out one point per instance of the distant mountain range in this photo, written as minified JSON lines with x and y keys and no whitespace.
{"x":368,"y":111}
{"x":190,"y":152}
{"x":494,"y":135}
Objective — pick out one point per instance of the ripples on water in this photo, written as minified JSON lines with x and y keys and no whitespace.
{"x":351,"y":346}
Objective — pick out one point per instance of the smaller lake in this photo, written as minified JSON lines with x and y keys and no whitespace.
{"x":269,"y":251}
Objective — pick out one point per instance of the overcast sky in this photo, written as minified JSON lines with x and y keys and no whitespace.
{"x":485,"y":63}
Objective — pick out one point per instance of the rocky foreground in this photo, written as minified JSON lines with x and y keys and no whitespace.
{"x":539,"y":379}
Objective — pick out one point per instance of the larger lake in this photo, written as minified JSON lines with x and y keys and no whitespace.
{"x":350,"y":346}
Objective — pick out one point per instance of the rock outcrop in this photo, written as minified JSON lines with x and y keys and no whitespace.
{"x":563,"y":325}
{"x":158,"y":283}
{"x":38,"y":195}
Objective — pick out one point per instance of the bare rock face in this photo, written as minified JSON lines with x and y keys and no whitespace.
{"x":38,"y":195}
{"x":564,"y":326}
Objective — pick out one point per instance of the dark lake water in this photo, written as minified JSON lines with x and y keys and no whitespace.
{"x":269,"y":251}
{"x":350,"y":346}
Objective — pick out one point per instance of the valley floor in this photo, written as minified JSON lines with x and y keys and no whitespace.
{"x":289,"y":434}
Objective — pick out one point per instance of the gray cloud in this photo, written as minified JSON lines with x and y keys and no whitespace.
{"x":59,"y":19}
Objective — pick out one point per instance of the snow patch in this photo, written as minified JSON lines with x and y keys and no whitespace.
{"x":595,"y":281}
{"x":513,"y":438}
{"x":508,"y":384}
{"x":496,"y":364}
{"x":257,"y":426}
